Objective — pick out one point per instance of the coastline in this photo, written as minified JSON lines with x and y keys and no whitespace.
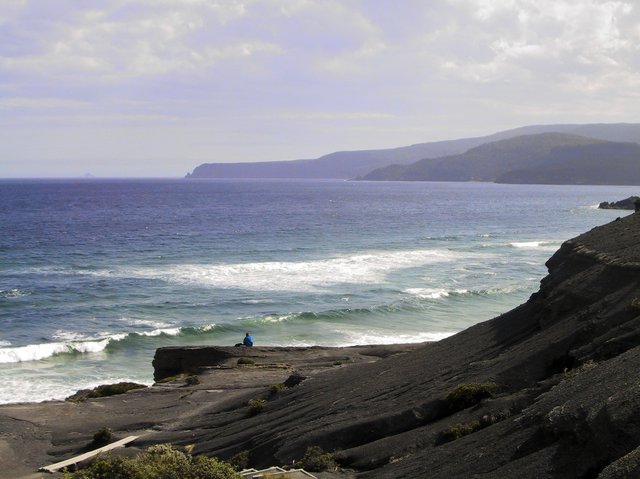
{"x":557,"y":377}
{"x":35,"y":434}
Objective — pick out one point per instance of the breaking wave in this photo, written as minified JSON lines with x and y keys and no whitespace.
{"x":435,"y":293}
{"x":14,"y":293}
{"x":36,"y":352}
{"x":314,"y":275}
{"x":542,"y":245}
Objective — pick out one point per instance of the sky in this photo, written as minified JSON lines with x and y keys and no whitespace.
{"x":153,"y":88}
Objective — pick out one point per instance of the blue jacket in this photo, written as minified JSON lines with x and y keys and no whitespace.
{"x":248,"y":341}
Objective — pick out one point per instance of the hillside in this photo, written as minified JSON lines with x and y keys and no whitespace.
{"x":483,"y":163}
{"x":338,"y":165}
{"x":351,"y":164}
{"x":595,"y":164}
{"x":546,"y":390}
{"x":549,"y":158}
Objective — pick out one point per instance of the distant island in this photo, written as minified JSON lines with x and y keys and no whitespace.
{"x":547,"y":154}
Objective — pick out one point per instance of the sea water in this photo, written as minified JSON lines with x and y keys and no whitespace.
{"x":97,"y":274}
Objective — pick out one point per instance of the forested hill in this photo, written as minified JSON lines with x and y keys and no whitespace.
{"x":548,"y":158}
{"x":351,"y":164}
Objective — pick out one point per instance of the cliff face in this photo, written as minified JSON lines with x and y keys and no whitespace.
{"x":566,"y":405}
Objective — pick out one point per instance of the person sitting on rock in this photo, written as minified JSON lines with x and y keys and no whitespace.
{"x":248,"y":340}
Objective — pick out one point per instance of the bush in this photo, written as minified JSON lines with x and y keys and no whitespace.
{"x":571,"y":373}
{"x":256,"y":406}
{"x":274,"y":389}
{"x":192,"y":380}
{"x":316,"y":460}
{"x":457,"y":431}
{"x":102,"y":437}
{"x":245,"y":360}
{"x":158,"y":462}
{"x":240,"y":461}
{"x":469,"y":394}
{"x":104,"y":390}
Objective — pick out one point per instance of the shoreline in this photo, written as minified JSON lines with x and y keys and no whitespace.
{"x":58,"y":427}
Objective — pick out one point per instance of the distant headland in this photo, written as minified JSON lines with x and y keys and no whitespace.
{"x":541,"y":154}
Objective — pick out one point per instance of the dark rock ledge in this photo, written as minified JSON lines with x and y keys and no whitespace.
{"x":558,"y":374}
{"x":626,"y":204}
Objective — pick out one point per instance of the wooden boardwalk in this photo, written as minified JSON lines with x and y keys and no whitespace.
{"x":87,"y":455}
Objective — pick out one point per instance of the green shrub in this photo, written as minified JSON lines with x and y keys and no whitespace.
{"x":571,"y":373}
{"x":158,"y":462}
{"x":456,"y":431}
{"x":316,"y":460}
{"x":274,"y":389}
{"x":168,"y":379}
{"x":240,"y":461}
{"x":104,"y":390}
{"x":469,"y":394}
{"x":102,"y":437}
{"x":192,"y":380}
{"x":245,"y":360}
{"x":256,"y":406}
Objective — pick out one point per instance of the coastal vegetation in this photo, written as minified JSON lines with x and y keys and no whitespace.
{"x":256,"y":406}
{"x":157,"y":462}
{"x":102,"y":437}
{"x":469,"y":394}
{"x":104,"y":390}
{"x":315,"y":459}
{"x":240,"y":460}
{"x":274,"y":389}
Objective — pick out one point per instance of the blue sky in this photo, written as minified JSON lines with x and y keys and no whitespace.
{"x":156,"y":87}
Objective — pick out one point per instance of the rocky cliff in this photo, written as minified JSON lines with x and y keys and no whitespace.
{"x":626,"y":204}
{"x":565,"y":403}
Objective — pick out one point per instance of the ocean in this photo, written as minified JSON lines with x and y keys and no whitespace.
{"x":97,"y":274}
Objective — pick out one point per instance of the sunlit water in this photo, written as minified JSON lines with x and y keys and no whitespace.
{"x":95,"y":275}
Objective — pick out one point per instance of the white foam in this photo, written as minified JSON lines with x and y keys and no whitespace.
{"x":277,"y":318}
{"x":366,"y":268}
{"x":544,"y":245}
{"x":19,"y":390}
{"x":433,"y":293}
{"x":207,"y":327}
{"x":160,"y":331}
{"x":145,"y":322}
{"x":4,"y":344}
{"x":36,"y":352}
{"x":355,"y":338}
{"x":14,"y":293}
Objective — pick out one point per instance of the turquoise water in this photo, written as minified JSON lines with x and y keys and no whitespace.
{"x":95,"y":275}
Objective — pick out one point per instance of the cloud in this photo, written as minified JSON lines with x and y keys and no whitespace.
{"x":276,"y":79}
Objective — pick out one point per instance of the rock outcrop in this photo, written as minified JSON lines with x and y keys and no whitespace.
{"x":565,"y":364}
{"x":626,"y":204}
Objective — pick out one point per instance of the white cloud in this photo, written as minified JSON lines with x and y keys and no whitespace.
{"x":271,"y":79}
